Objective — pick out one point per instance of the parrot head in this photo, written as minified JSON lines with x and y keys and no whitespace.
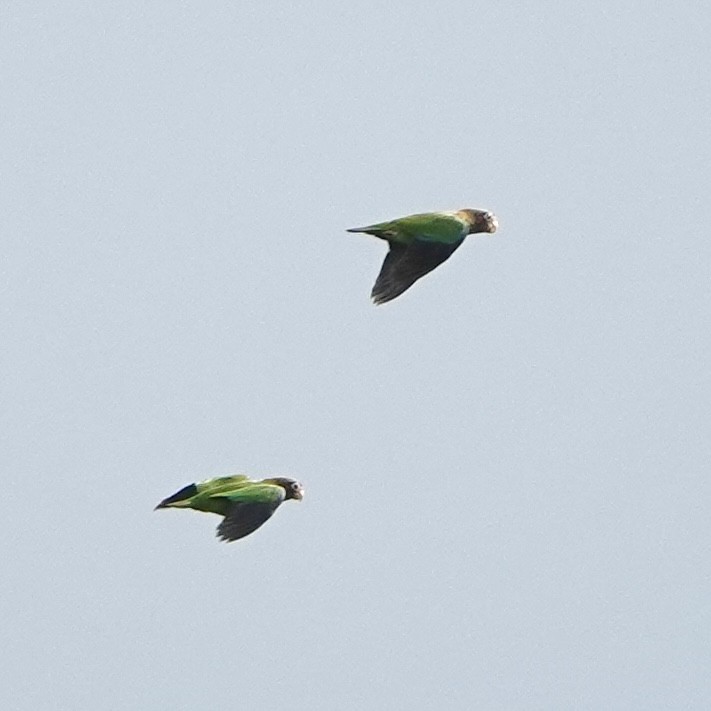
{"x":479,"y":220}
{"x":293,"y":488}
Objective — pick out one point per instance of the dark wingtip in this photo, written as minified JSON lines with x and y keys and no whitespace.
{"x":382,"y":297}
{"x":223,"y":533}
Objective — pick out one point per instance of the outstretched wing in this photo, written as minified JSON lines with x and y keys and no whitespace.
{"x":248,"y":509}
{"x":405,"y":264}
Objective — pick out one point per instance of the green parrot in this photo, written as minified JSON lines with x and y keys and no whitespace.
{"x":245,"y":504}
{"x":419,"y":243}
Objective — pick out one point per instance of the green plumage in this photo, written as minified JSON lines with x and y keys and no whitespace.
{"x":444,"y":228}
{"x":244,"y":503}
{"x":419,"y":243}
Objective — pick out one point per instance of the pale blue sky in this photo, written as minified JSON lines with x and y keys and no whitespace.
{"x":506,"y":469}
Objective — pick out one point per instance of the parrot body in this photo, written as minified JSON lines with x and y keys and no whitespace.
{"x":244,"y":503}
{"x":419,"y":243}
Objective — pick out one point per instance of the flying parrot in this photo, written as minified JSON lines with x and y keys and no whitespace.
{"x":419,"y":243}
{"x":245,"y":504}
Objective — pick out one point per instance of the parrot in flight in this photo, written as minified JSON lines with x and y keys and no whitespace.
{"x":419,"y":243}
{"x":245,"y":503}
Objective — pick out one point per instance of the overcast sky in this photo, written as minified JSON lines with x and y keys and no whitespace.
{"x":506,"y":469}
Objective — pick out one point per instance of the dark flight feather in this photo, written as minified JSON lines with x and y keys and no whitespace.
{"x":405,"y":264}
{"x":244,"y":518}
